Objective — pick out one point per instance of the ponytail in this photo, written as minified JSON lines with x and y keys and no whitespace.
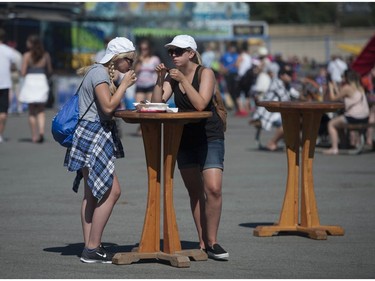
{"x":197,"y":58}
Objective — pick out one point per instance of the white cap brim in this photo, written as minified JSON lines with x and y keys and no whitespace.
{"x":106,"y":58}
{"x":179,"y":45}
{"x":183,"y":41}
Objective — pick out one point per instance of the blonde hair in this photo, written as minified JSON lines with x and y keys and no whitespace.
{"x":197,"y":58}
{"x":111,"y":68}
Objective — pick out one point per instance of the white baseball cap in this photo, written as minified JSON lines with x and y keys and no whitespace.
{"x":117,"y":46}
{"x":262,"y":51}
{"x":183,"y":41}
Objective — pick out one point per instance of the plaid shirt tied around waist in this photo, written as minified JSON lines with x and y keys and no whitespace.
{"x":95,"y":145}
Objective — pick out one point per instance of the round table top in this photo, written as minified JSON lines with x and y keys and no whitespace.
{"x":301,"y":106}
{"x":184,"y":117}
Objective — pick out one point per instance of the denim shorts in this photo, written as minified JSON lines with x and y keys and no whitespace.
{"x":206,"y":156}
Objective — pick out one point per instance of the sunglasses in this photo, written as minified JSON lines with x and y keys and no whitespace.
{"x":130,"y":61}
{"x":178,"y":52}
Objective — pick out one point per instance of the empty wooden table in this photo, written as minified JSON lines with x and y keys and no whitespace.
{"x":158,"y":128}
{"x":294,"y":115}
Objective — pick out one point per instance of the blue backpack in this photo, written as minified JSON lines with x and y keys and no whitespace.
{"x":66,"y":120}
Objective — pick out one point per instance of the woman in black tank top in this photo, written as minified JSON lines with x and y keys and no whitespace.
{"x":201,"y":154}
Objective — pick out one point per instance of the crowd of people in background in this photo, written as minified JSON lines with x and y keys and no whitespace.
{"x":246,"y":77}
{"x":244,"y":73}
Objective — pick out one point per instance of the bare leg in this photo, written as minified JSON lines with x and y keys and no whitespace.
{"x":194,"y":185}
{"x":212,"y":186}
{"x":95,"y":214}
{"x":205,"y":202}
{"x":239,"y":104}
{"x":41,"y":119}
{"x":33,"y":122}
{"x":279,"y":134}
{"x":3,"y":119}
{"x":247,"y":104}
{"x":333,"y":124}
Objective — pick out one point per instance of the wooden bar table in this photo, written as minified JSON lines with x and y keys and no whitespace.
{"x":158,"y":127}
{"x":294,"y":115}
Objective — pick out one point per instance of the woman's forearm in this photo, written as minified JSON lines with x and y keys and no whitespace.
{"x":157,"y":95}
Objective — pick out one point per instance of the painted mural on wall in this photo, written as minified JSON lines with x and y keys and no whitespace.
{"x":157,"y":19}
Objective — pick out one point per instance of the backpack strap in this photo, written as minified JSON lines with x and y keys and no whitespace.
{"x":88,"y":108}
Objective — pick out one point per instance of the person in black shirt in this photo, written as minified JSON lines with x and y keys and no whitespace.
{"x":201,"y":154}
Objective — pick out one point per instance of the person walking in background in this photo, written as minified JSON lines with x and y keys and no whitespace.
{"x":36,"y":66}
{"x":146,"y":74}
{"x":96,"y":143}
{"x":243,"y":64}
{"x":7,"y":60}
{"x":356,"y":107}
{"x":201,"y":153}
{"x":15,"y":105}
{"x":209,"y":56}
{"x":229,"y":70}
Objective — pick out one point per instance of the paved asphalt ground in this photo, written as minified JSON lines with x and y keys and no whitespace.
{"x":41,"y":236}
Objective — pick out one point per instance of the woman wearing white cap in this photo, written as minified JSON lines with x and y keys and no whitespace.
{"x":201,"y":154}
{"x":96,"y":143}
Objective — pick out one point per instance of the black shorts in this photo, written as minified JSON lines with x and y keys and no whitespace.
{"x":144,"y":89}
{"x":352,"y":120}
{"x":4,"y":100}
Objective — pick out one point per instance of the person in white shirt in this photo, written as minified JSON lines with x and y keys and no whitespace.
{"x":209,"y":56}
{"x":243,"y":63}
{"x":336,"y":68}
{"x":7,"y":58}
{"x":15,"y":105}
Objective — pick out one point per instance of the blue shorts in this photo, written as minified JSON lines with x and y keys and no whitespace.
{"x":206,"y":156}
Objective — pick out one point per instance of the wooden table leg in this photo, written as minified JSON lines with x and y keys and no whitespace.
{"x":310,"y":223}
{"x":172,"y":134}
{"x":149,"y":246}
{"x":172,"y":245}
{"x":309,"y":217}
{"x":289,"y":213}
